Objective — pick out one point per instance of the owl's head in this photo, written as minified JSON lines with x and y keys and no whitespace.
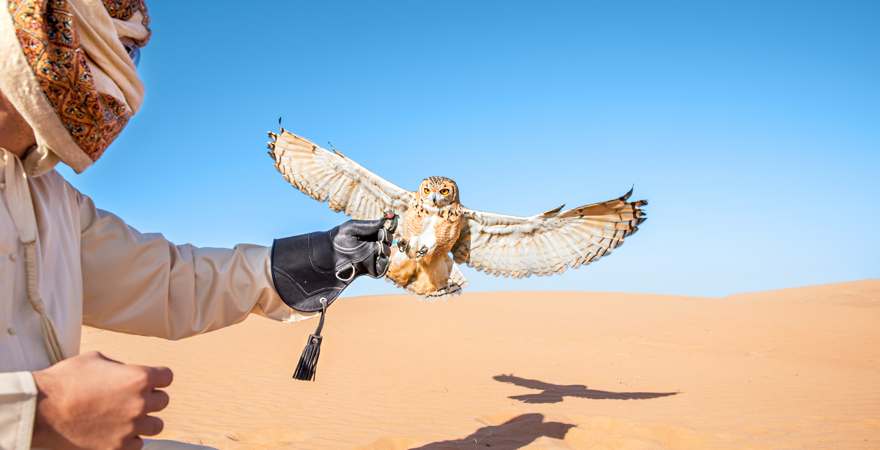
{"x":438,"y":191}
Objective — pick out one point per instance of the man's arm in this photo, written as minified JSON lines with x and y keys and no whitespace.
{"x":143,"y":284}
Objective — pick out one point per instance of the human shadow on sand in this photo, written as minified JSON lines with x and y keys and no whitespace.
{"x":555,"y":393}
{"x":516,"y":433}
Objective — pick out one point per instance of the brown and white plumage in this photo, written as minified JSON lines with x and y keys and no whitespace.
{"x":436,"y":225}
{"x":547,"y":243}
{"x":328,"y":176}
{"x":431,"y":227}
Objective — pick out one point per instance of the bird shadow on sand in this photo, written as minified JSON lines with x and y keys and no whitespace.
{"x":555,"y":393}
{"x":516,"y":433}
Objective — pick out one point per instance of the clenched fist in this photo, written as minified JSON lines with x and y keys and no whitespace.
{"x":91,"y":401}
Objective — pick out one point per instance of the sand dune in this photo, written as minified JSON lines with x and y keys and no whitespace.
{"x":790,"y":369}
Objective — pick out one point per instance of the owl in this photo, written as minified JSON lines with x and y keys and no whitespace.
{"x":437,"y":232}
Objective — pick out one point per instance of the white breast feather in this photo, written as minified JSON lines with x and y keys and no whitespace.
{"x":428,"y":238}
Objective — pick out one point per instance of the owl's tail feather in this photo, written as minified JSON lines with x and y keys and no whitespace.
{"x":454,"y":286}
{"x":456,"y":277}
{"x":451,"y":290}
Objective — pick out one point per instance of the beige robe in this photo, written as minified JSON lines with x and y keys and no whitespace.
{"x":93,"y":269}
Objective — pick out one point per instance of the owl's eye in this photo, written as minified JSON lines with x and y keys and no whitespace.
{"x":426,"y":191}
{"x":444,"y":191}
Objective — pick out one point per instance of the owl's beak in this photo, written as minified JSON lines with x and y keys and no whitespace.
{"x":433,"y":198}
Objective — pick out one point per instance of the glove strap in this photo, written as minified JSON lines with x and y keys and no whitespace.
{"x":308,"y":362}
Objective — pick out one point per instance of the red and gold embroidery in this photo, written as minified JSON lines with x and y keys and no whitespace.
{"x":124,"y":9}
{"x":47,"y":33}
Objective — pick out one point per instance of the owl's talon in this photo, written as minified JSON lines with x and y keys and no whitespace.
{"x":402,"y":244}
{"x":423,"y":250}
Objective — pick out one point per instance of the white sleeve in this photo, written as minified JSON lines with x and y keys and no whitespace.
{"x":18,"y":403}
{"x":143,"y":284}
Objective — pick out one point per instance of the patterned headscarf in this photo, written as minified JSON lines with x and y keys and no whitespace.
{"x":66,"y":66}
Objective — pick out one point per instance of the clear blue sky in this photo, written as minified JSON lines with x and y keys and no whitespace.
{"x":752,"y":127}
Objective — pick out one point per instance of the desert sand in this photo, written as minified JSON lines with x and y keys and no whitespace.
{"x":789,"y":369}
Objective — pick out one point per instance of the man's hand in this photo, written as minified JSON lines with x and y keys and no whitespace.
{"x":91,"y":401}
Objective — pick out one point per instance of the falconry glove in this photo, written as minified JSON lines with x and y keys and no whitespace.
{"x":311,"y":270}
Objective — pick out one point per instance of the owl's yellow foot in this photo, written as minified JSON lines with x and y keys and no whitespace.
{"x":411,"y":250}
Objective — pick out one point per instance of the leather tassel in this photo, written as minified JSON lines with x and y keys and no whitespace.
{"x":308,"y":362}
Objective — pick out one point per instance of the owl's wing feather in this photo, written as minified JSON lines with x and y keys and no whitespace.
{"x":329,"y":176}
{"x":547,"y":243}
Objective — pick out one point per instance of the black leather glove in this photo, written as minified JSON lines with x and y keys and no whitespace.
{"x":311,"y":270}
{"x":316,"y":266}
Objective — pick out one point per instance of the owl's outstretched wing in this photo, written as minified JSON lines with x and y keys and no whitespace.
{"x":548,"y":243}
{"x":329,"y":176}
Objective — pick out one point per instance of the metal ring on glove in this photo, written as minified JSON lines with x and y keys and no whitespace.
{"x":350,"y":277}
